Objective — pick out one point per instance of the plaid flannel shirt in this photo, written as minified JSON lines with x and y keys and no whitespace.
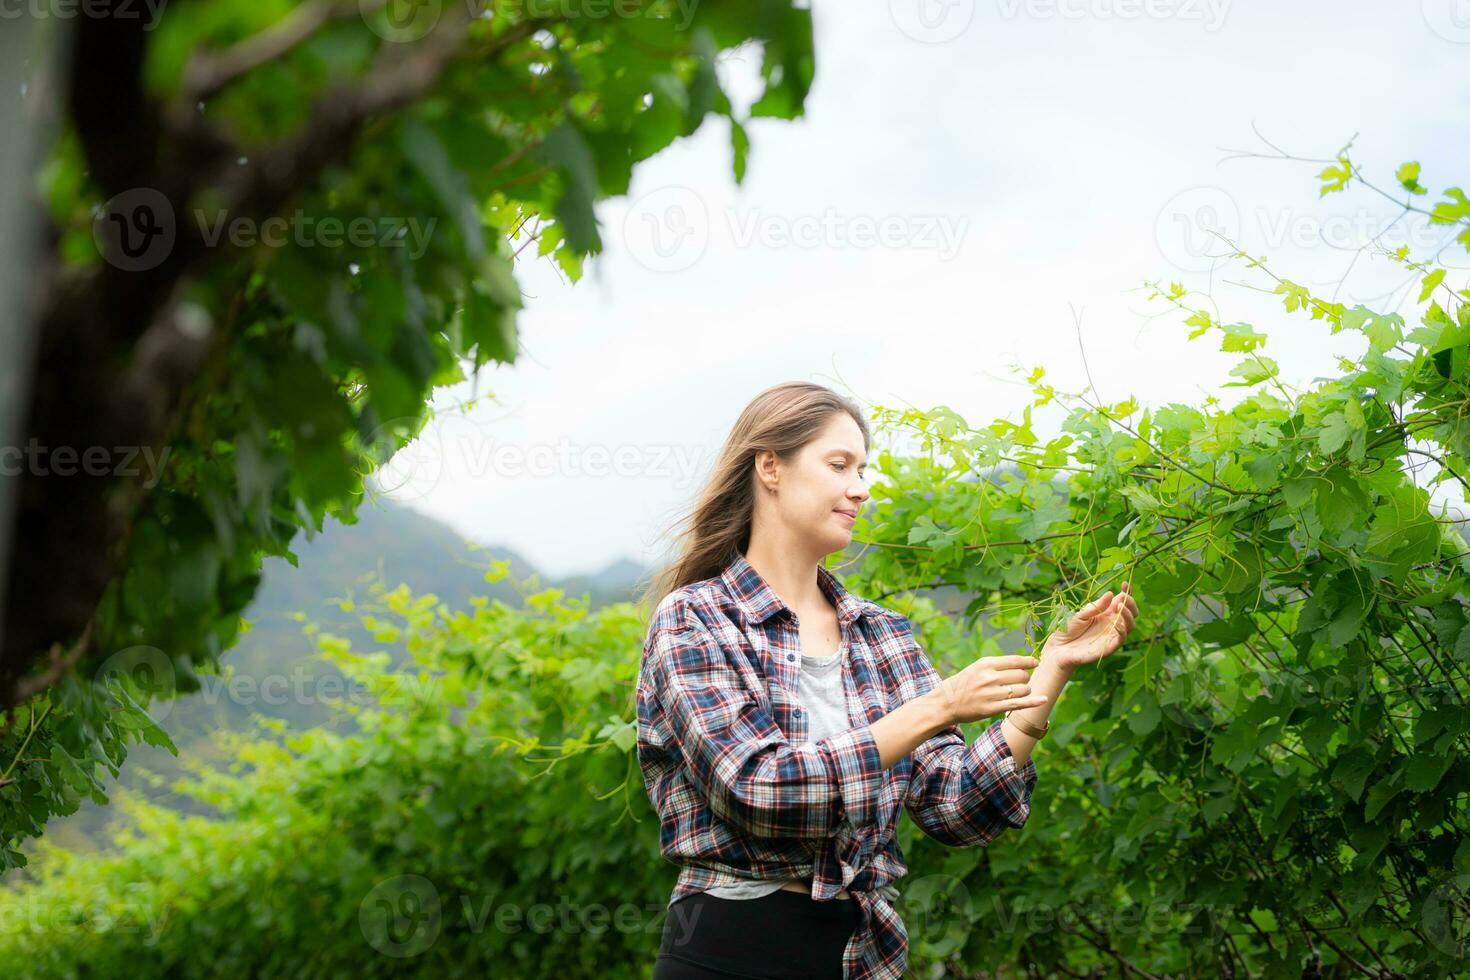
{"x":740,"y":797}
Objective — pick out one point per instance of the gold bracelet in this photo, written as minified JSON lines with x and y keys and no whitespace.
{"x":1030,"y":729}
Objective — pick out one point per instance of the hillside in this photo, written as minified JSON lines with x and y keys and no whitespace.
{"x":277,"y":674}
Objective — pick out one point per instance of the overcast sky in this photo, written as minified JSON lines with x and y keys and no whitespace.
{"x":967,"y":174}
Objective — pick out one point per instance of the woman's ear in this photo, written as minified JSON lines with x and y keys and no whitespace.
{"x":767,"y":469}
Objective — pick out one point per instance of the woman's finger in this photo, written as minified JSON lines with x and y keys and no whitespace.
{"x":1006,"y":660}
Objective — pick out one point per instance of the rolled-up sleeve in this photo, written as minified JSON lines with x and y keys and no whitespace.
{"x":736,"y":755}
{"x":963,"y":795}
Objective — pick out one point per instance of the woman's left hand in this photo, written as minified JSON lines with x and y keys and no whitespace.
{"x":1094,"y":632}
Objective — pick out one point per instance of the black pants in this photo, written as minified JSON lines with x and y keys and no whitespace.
{"x":783,"y":934}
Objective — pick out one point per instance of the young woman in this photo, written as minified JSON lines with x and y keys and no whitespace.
{"x":783,"y":721}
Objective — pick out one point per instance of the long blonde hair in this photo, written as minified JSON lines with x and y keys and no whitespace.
{"x":782,"y":418}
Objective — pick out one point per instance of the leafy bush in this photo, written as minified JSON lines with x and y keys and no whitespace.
{"x":1278,"y":757}
{"x":1270,"y":779}
{"x":491,"y":775}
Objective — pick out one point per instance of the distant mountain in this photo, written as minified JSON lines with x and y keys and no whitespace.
{"x":616,"y":580}
{"x":409,"y":547}
{"x":275,"y":658}
{"x":401,"y":544}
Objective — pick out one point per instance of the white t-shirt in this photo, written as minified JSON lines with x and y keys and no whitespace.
{"x":820,"y":692}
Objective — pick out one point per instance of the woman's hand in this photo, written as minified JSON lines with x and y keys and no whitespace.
{"x":1095,"y":631}
{"x":987,"y":687}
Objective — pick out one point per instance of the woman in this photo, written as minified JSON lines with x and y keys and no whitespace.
{"x":784,"y":721}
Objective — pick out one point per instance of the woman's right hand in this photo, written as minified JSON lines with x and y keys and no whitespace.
{"x":988,"y":687}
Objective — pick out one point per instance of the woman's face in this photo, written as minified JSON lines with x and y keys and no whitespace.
{"x":825,"y":480}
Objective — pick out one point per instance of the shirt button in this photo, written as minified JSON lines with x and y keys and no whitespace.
{"x":791,"y":656}
{"x":797,"y":712}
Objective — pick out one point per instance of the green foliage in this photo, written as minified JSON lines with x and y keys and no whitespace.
{"x":492,"y":772}
{"x":1278,"y":757}
{"x":332,"y":343}
{"x":481,"y":811}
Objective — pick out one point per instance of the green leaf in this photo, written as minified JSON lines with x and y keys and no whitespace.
{"x":1217,"y":807}
{"x":1241,"y":338}
{"x":1297,"y":491}
{"x":1424,"y":771}
{"x":1383,"y":330}
{"x":740,"y":147}
{"x":1253,"y":371}
{"x":490,"y":327}
{"x":923,"y":531}
{"x":1145,"y":720}
{"x":423,"y":148}
{"x":1335,"y":176}
{"x":1227,"y":631}
{"x":1142,"y":500}
{"x":1454,"y":209}
{"x":1335,"y":431}
{"x":622,"y":733}
{"x":565,"y":148}
{"x":1431,"y":282}
{"x":1200,"y":320}
{"x":1378,"y":797}
{"x":1408,"y":178}
{"x":1336,"y":608}
{"x":1341,"y":500}
{"x":1044,"y":515}
{"x":1352,"y":771}
{"x":787,"y":66}
{"x":1296,"y":297}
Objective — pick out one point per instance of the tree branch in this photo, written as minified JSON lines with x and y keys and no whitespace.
{"x":206,"y":74}
{"x":118,"y":353}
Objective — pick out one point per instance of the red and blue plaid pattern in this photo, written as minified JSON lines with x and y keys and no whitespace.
{"x":739,"y":797}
